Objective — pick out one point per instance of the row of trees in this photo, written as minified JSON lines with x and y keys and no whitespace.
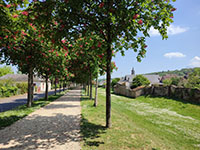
{"x":76,"y":39}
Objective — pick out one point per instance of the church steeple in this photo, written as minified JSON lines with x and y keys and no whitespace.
{"x":132,"y":71}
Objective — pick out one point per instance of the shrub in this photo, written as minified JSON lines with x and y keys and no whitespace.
{"x":114,"y":82}
{"x":167,"y":82}
{"x":8,"y":91}
{"x":23,"y":87}
{"x":194,"y":79}
{"x":139,"y":80}
{"x":7,"y":82}
{"x":175,"y":81}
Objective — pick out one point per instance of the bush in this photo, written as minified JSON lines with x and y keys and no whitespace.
{"x":139,"y":80}
{"x":7,"y":82}
{"x":23,"y":87}
{"x":175,"y":81}
{"x":8,"y":91}
{"x":114,"y":82}
{"x":167,"y":82}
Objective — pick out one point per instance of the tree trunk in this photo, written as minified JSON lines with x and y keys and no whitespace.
{"x":55,"y":86}
{"x":84,"y":87}
{"x":47,"y":88}
{"x":108,"y":79}
{"x":90,"y":86}
{"x":63,"y":86}
{"x":96,"y":92}
{"x":60,"y":83}
{"x":30,"y":87}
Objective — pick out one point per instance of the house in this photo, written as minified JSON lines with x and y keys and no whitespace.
{"x":39,"y":84}
{"x":127,"y":80}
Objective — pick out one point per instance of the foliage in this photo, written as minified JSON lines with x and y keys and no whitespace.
{"x":172,"y":81}
{"x":167,"y":82}
{"x":6,"y":91}
{"x":7,"y":82}
{"x":23,"y":87}
{"x":139,"y":80}
{"x":182,"y":72}
{"x":175,"y":80}
{"x":194,"y":79}
{"x":7,"y":88}
{"x":6,"y":70}
{"x":114,"y":82}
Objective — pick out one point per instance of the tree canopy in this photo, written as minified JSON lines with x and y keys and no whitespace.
{"x":6,"y":70}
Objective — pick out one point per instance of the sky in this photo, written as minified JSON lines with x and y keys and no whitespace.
{"x":180,"y":50}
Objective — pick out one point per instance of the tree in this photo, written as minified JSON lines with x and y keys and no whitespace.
{"x":175,"y":80}
{"x":22,"y":42}
{"x":6,"y":70}
{"x":194,"y":79}
{"x":123,"y":24}
{"x":139,"y":80}
{"x":167,"y":82}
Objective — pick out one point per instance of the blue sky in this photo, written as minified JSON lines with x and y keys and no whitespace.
{"x":180,"y":50}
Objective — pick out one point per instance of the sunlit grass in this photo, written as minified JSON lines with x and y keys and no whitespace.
{"x":141,"y":123}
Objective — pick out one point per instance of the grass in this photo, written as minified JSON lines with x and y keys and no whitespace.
{"x":151,"y":123}
{"x":9,"y":117}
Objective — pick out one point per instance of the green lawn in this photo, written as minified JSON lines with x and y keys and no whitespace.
{"x":9,"y":117}
{"x":141,"y":123}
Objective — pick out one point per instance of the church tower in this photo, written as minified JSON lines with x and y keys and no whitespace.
{"x":132,"y":71}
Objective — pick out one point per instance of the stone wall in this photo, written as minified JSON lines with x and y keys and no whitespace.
{"x":187,"y":94}
{"x":123,"y":90}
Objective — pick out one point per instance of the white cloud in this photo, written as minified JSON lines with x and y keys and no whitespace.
{"x":195,"y":62}
{"x":174,"y":55}
{"x":172,"y":30}
{"x":153,"y":32}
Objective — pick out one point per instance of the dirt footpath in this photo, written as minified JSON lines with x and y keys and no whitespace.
{"x":53,"y":127}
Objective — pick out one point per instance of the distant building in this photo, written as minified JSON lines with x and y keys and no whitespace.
{"x":39,"y":83}
{"x":127,"y":80}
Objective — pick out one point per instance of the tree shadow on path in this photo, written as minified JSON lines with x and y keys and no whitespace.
{"x":43,"y":132}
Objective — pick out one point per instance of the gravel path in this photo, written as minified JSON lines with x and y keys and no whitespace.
{"x":53,"y":127}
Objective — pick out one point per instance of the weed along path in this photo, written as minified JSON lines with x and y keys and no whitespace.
{"x":55,"y":126}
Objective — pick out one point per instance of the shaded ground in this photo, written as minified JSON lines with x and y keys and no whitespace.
{"x":55,"y":126}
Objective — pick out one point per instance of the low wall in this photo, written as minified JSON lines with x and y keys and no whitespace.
{"x":187,"y":94}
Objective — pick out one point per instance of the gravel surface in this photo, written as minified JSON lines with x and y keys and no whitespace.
{"x":53,"y":127}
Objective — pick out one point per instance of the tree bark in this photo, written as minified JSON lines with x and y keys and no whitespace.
{"x":60,"y":83}
{"x":30,"y":87}
{"x":47,"y":88}
{"x":108,"y":84}
{"x":96,"y":93}
{"x":55,"y":86}
{"x":90,"y":86}
{"x":63,"y":86}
